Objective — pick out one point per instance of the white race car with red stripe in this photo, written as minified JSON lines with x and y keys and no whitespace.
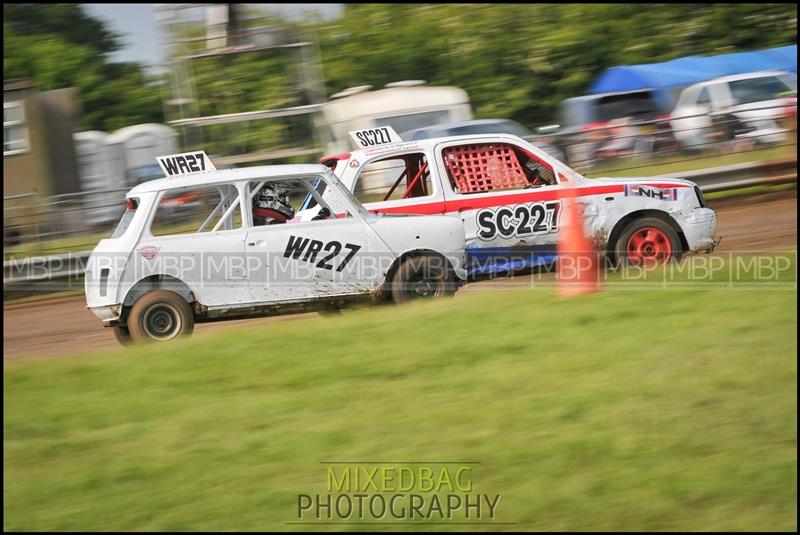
{"x":508,"y":193}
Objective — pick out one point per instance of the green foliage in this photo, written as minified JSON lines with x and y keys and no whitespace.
{"x":58,"y":46}
{"x":514,"y":60}
{"x":519,"y":61}
{"x":69,"y":21}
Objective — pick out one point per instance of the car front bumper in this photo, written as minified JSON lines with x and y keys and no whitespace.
{"x":699,"y":228}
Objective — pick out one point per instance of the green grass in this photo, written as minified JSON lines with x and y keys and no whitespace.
{"x":635,"y":167}
{"x":621,"y":410}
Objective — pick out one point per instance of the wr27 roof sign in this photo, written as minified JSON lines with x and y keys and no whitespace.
{"x":185,"y":163}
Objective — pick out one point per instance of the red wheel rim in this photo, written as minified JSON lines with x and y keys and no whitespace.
{"x":649,"y":246}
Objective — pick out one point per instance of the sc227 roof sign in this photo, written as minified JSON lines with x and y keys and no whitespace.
{"x":373,"y":137}
{"x":186,"y":163}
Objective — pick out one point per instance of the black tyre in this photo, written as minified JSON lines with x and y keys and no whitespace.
{"x":422,"y":277}
{"x":648,"y":241}
{"x":123,"y":335}
{"x":160,"y":316}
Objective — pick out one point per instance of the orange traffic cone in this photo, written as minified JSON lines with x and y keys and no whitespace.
{"x":577,"y":260}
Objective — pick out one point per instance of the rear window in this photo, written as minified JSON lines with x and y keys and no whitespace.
{"x":757,"y":89}
{"x":205,"y":209}
{"x":132,"y":204}
{"x":637,"y":105}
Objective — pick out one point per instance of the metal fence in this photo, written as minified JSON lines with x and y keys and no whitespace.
{"x":50,"y":223}
{"x":691,"y":137}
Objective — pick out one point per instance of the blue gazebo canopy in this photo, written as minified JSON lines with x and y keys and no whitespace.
{"x":692,"y":69}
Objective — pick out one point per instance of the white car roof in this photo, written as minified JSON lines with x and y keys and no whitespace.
{"x":228,"y":175}
{"x":745,"y":76}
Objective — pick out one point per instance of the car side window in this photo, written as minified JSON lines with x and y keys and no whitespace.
{"x":275,"y":202}
{"x":404,"y":176}
{"x":486,"y":167}
{"x":202,"y":209}
{"x":704,"y":99}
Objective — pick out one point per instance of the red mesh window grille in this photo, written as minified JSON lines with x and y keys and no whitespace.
{"x":477,"y":168}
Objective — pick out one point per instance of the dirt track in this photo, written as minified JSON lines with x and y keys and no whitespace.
{"x":63,"y":326}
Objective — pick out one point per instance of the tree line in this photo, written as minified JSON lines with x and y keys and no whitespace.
{"x":516,"y":61}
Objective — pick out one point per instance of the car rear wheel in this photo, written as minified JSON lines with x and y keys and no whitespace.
{"x":160,"y":316}
{"x":422,"y":277}
{"x":648,"y":242}
{"x":123,"y":335}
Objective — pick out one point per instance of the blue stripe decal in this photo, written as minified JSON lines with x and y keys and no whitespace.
{"x":485,"y":260}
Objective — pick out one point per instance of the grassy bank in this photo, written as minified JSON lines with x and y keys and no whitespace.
{"x":680,"y":163}
{"x":651,"y":409}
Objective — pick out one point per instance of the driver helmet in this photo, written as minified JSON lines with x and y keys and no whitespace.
{"x":271,"y":206}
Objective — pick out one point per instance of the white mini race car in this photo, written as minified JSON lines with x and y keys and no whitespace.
{"x":509,"y":195}
{"x":242,"y":251}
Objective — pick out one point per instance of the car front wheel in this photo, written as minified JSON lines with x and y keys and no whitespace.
{"x":647,"y":242}
{"x":160,"y":316}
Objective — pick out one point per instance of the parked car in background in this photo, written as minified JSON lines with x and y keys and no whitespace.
{"x":584,"y":122}
{"x":744,"y":106}
{"x":590,"y":111}
{"x":144,"y":173}
{"x":478,"y":126}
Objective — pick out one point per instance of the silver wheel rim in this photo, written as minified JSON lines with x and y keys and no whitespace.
{"x":162,"y":322}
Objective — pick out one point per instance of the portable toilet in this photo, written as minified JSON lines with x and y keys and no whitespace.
{"x":140,"y":145}
{"x":102,"y":178}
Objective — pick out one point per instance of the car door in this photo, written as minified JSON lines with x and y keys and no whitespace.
{"x":196,"y":236}
{"x":510,"y":219}
{"x":300,"y":260}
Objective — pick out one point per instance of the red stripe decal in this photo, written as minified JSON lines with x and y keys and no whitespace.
{"x":477,"y":202}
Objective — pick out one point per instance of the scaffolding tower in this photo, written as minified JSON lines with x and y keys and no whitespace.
{"x":195,"y":31}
